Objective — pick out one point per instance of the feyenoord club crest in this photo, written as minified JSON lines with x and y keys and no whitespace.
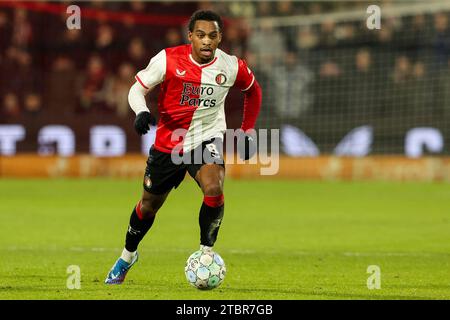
{"x":221,"y":79}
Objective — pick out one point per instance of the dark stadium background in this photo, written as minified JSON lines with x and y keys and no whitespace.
{"x":393,"y":79}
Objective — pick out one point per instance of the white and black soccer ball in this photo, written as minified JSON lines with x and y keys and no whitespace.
{"x":205,"y":270}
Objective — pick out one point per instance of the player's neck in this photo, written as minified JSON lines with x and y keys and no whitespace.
{"x":200,"y":60}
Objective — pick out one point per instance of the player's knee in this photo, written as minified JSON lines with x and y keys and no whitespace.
{"x":212,"y":189}
{"x":148,"y":210}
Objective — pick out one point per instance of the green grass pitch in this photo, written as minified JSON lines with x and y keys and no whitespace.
{"x":279,"y":239}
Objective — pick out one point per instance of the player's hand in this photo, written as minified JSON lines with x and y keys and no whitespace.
{"x":142,"y":122}
{"x":246,"y":146}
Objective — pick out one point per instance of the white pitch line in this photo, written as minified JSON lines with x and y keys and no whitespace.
{"x":235,"y":251}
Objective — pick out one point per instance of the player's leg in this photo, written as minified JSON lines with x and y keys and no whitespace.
{"x":210,"y":177}
{"x":161,"y":175}
{"x":141,"y":220}
{"x":209,"y":173}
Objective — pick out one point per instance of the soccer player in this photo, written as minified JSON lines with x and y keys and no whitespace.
{"x":195,"y":80}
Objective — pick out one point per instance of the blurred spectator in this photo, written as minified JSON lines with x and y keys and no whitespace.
{"x":264,"y":9}
{"x":244,"y":9}
{"x":385,"y":35}
{"x":417,"y":37}
{"x":363,"y":61}
{"x":128,"y":30}
{"x":345,"y":33}
{"x":5,"y":32}
{"x":384,"y":51}
{"x":307,"y":39}
{"x":234,"y":40}
{"x":400,"y":92}
{"x":442,"y":100}
{"x":177,"y":7}
{"x":222,"y":8}
{"x":363,"y":85}
{"x":327,"y":89}
{"x":442,"y":39}
{"x":267,"y":42}
{"x":22,"y":32}
{"x":32,"y":104}
{"x":117,"y":88}
{"x":316,"y":8}
{"x":138,"y":6}
{"x":137,"y":54}
{"x":92,"y":88}
{"x":105,"y":44}
{"x":18,"y":73}
{"x":284,"y":8}
{"x":345,"y":36}
{"x":172,"y":38}
{"x":402,"y":69}
{"x":365,"y":36}
{"x":101,"y":4}
{"x":422,"y":91}
{"x":291,"y":81}
{"x":327,"y":37}
{"x":7,"y":67}
{"x":10,"y":106}
{"x":72,"y":44}
{"x":63,"y":87}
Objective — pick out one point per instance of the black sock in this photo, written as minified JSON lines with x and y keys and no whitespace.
{"x":137,"y":230}
{"x":210,"y":219}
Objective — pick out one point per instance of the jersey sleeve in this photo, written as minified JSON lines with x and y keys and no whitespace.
{"x":154,"y":73}
{"x":245,"y":77}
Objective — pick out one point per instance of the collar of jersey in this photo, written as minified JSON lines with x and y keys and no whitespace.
{"x":202,"y":65}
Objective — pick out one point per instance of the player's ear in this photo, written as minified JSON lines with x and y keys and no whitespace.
{"x":220,"y":37}
{"x":190,"y":36}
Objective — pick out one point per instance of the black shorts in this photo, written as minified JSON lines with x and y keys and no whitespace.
{"x":163,"y":173}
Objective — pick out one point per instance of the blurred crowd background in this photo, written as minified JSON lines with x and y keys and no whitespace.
{"x":325,"y":77}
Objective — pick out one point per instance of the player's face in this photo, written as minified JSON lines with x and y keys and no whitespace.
{"x":205,"y":39}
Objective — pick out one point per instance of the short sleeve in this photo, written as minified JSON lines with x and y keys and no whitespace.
{"x":245,"y":77}
{"x":154,"y":73}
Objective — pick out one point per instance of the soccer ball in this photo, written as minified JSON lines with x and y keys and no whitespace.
{"x":205,"y":270}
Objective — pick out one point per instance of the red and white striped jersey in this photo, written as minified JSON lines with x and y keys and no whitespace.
{"x":192,"y":95}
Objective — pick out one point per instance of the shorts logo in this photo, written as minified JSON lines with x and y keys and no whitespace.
{"x":147,"y":182}
{"x":221,"y":79}
{"x":213,"y":150}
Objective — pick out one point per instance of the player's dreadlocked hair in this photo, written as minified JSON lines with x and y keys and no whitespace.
{"x":206,"y":15}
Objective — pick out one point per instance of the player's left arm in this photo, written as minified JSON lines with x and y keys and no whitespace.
{"x":252,"y":106}
{"x":245,"y":80}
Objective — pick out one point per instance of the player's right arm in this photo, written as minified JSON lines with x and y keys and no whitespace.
{"x":146,"y":80}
